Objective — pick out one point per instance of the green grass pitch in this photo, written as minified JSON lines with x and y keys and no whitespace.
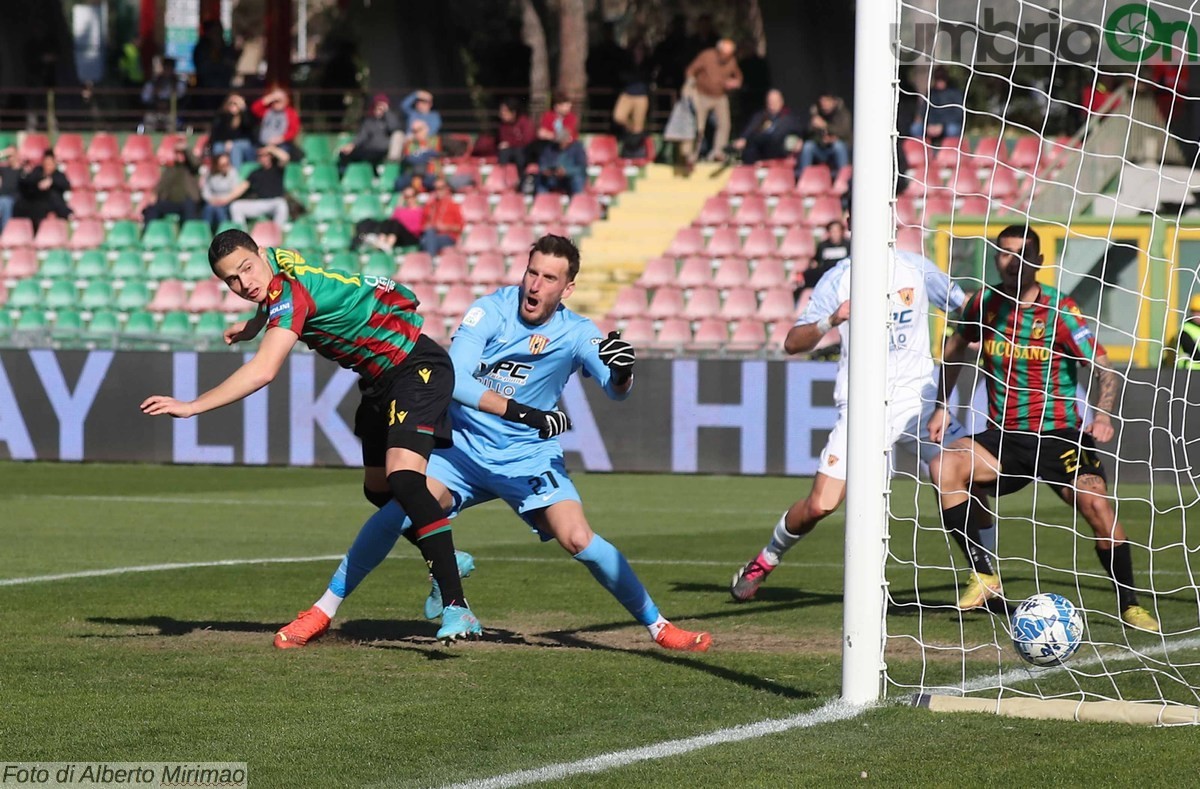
{"x":177,"y":664}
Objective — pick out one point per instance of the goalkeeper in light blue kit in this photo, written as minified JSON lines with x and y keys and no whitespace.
{"x":513,"y":354}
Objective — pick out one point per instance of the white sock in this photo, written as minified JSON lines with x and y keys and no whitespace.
{"x":657,"y":626}
{"x":329,"y":603}
{"x":782,"y":541}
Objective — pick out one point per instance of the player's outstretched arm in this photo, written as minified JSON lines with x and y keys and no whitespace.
{"x":803,"y":337}
{"x":1103,"y":409}
{"x":245,"y":381}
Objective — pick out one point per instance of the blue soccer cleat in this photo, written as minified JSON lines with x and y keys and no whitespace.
{"x":458,"y":622}
{"x":433,"y":603}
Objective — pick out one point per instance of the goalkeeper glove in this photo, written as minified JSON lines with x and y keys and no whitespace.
{"x":548,"y":423}
{"x":618,"y":355}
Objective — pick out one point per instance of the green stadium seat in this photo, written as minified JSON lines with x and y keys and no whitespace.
{"x":359,"y":177}
{"x":68,"y":323}
{"x":128,"y":265}
{"x":294,"y":181}
{"x":246,"y":169}
{"x":366,"y":207}
{"x":160,"y":234}
{"x":228,"y":224}
{"x":210,"y":326}
{"x":140,"y":324}
{"x":303,"y":234}
{"x":324,"y":178}
{"x":57,"y":264}
{"x":6,"y":323}
{"x":388,"y":174}
{"x":338,"y":237}
{"x":312,"y":255}
{"x":379,"y":264}
{"x":329,"y":208}
{"x":196,"y":269}
{"x":25,"y":294}
{"x":122,"y":235}
{"x":91,"y":264}
{"x":31,"y":320}
{"x":164,"y":265}
{"x":344,"y":261}
{"x":62,"y":294}
{"x":195,"y":236}
{"x":97,"y":295}
{"x":134,"y":296}
{"x":104,"y":323}
{"x":175,"y":324}
{"x":318,"y":148}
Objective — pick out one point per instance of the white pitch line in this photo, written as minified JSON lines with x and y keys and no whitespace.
{"x":830,"y":712}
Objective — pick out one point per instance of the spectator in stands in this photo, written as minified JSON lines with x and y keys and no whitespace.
{"x":942,"y":112}
{"x":178,"y":190}
{"x":215,"y":61}
{"x":633,"y":103}
{"x":514,"y":135}
{"x":443,"y":220}
{"x":418,"y":106}
{"x":829,"y":127}
{"x":562,"y":161}
{"x":262,"y":193}
{"x":43,"y":192}
{"x":278,"y":125}
{"x":218,"y":188}
{"x":404,"y":227}
{"x":161,"y":95}
{"x":10,"y":184}
{"x":420,"y":158}
{"x":710,"y":78}
{"x":374,"y":135}
{"x":833,"y":249}
{"x":234,"y":131}
{"x":765,"y":136}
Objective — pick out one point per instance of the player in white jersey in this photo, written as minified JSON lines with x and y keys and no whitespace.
{"x":916,"y":285}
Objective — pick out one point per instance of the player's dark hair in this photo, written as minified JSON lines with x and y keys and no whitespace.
{"x":1033,"y":242}
{"x":226,"y":242}
{"x":558,"y":247}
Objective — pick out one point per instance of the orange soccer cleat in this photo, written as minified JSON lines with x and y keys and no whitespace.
{"x":308,"y":625}
{"x":672,"y":637}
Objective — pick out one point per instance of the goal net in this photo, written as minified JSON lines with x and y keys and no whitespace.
{"x":1074,"y":118}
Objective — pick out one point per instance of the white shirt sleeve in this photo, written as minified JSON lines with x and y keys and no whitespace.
{"x":826,"y":297}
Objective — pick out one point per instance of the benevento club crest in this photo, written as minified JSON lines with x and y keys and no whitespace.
{"x":906,"y":296}
{"x":538,"y":343}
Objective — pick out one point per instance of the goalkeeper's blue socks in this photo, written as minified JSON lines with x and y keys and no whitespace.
{"x":372,"y":545}
{"x":608,"y":566}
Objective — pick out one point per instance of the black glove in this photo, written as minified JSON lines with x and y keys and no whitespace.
{"x":618,"y":355}
{"x":548,"y":423}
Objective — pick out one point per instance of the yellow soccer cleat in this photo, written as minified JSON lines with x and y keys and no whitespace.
{"x":1136,"y":616}
{"x":981,"y":588}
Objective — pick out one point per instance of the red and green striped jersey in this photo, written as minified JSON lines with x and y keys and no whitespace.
{"x":366,"y":324}
{"x":1030,"y":355}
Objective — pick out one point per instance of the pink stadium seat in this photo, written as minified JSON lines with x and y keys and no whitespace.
{"x":583,"y":210}
{"x":710,"y":333}
{"x":768,"y":273}
{"x":602,"y":149}
{"x":1001,"y":183}
{"x":479,"y":239}
{"x":673,"y":333}
{"x":110,"y":177}
{"x":910,"y":239}
{"x":798,"y":244}
{"x":725,"y":242}
{"x":33,"y":147}
{"x":973,"y":206}
{"x":605,"y":325}
{"x":450,"y":268}
{"x":789,"y":211}
{"x":475,"y":208}
{"x":457,"y":301}
{"x":502,"y":178}
{"x":688,"y":241}
{"x":516,"y":269}
{"x":732,"y":273}
{"x":906,"y":210}
{"x":417,"y":267}
{"x":759,"y":244}
{"x":639,"y":332}
{"x":267,"y":234}
{"x":951,"y":152}
{"x":17,"y":233}
{"x":658,"y":272}
{"x":937,"y":204}
{"x":232,"y":304}
{"x":824,"y":210}
{"x":82,"y":203}
{"x":989,"y":151}
{"x":778,"y":181}
{"x":79,"y":175}
{"x":964,"y":182}
{"x":611,"y":181}
{"x":696,"y":272}
{"x":1026,"y":154}
{"x":702,"y":303}
{"x":89,"y":234}
{"x":206,"y":296}
{"x":68,"y":147}
{"x":510,"y":210}
{"x":200,"y":146}
{"x":665,"y":303}
{"x":435,"y":329}
{"x":814,"y":181}
{"x":22,"y":261}
{"x":546,"y":208}
{"x":468,"y":168}
{"x":166,"y":147}
{"x":102,"y":148}
{"x":841,"y":184}
{"x":137,"y":148}
{"x":739,"y":303}
{"x":743,"y":180}
{"x":427,"y":298}
{"x":517,"y":241}
{"x":748,"y":335}
{"x":630,"y":303}
{"x":777,"y":334}
{"x":915,"y":152}
{"x":171,"y":296}
{"x":489,"y":269}
{"x":716,"y":211}
{"x":753,"y":211}
{"x":52,"y":233}
{"x":777,"y":305}
{"x":117,"y":205}
{"x":919,"y":180}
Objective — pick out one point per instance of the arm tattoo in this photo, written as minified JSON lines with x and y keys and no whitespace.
{"x":1107,"y":400}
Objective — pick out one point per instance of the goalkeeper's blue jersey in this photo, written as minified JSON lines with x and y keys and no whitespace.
{"x":494,"y":348}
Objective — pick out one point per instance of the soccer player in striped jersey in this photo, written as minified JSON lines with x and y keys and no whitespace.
{"x":369,"y":325}
{"x":1032,"y":340}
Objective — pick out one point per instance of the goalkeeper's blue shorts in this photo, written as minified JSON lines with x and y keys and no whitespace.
{"x":526,"y":485}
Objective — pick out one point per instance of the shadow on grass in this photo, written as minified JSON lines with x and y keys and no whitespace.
{"x":797,"y":598}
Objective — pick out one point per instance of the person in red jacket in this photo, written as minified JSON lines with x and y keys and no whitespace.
{"x":443,"y":219}
{"x":278,"y":123}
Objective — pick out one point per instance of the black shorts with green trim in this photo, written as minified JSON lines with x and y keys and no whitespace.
{"x":1056,"y":457}
{"x":408,"y":406}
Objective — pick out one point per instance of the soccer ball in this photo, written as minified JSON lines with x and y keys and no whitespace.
{"x":1047,"y":629}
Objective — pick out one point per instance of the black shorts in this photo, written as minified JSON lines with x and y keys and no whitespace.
{"x":408,"y":406}
{"x":1056,"y":457}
